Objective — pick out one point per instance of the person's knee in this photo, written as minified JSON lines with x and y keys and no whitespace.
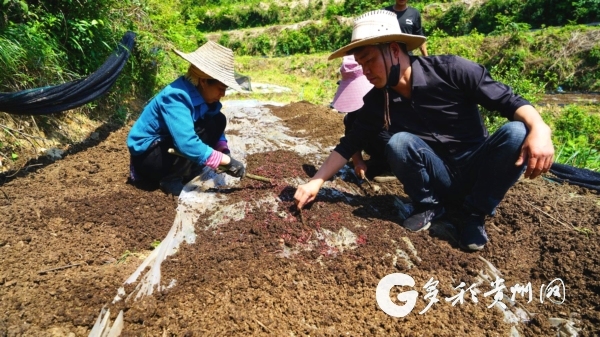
{"x":514,"y":131}
{"x":401,"y":142}
{"x":402,"y":147}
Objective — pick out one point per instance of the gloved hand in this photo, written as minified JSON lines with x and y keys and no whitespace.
{"x":234,"y":168}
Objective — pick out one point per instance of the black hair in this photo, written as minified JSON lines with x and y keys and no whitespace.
{"x":212,"y":81}
{"x":403,"y":47}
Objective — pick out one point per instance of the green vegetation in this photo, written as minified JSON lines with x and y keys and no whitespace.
{"x":155,"y":244}
{"x":308,"y":39}
{"x":40,"y":45}
{"x":310,"y":77}
{"x":124,"y":257}
{"x":577,"y":137}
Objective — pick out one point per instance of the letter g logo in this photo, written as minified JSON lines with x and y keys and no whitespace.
{"x":382,"y":294}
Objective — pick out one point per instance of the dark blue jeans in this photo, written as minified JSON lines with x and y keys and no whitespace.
{"x":478,"y":178}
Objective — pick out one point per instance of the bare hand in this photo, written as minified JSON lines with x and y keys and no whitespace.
{"x":360,"y":168}
{"x":307,"y":192}
{"x":538,"y":150}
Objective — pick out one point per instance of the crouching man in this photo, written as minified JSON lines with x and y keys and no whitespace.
{"x":440,"y":149}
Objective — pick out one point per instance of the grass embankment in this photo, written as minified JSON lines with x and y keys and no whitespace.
{"x":41,"y":46}
{"x":310,"y":77}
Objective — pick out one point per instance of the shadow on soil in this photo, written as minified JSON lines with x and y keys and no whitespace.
{"x":35,"y":164}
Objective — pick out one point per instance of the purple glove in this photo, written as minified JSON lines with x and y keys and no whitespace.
{"x":222,"y":147}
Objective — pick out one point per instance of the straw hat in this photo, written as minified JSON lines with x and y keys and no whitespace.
{"x":213,"y":61}
{"x":377,"y":27}
{"x":353,"y":86}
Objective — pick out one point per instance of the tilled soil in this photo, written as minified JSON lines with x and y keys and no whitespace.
{"x":72,"y":231}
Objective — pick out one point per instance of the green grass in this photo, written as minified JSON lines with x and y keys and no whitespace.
{"x":576,"y":136}
{"x":311,"y":78}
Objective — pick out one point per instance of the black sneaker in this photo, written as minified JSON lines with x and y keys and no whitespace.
{"x":473,"y":236}
{"x":421,"y":218}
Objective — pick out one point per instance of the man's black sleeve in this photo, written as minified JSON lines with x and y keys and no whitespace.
{"x":485,"y":91}
{"x":366,"y":127}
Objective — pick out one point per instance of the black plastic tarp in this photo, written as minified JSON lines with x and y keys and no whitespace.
{"x":576,"y":176}
{"x":53,"y":99}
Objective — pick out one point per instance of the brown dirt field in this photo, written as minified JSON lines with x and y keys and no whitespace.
{"x":276,"y":272}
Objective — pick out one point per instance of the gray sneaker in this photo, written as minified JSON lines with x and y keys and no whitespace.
{"x":422,"y":216}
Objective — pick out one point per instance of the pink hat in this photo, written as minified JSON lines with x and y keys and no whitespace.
{"x":353,"y":86}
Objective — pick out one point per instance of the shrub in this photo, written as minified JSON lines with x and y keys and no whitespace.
{"x":557,"y":13}
{"x":455,"y":21}
{"x":484,"y":18}
{"x":292,"y":42}
{"x":261,"y":45}
{"x":577,"y":138}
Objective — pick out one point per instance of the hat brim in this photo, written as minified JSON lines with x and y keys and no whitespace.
{"x":224,"y":77}
{"x":412,"y":42}
{"x":350,"y":93}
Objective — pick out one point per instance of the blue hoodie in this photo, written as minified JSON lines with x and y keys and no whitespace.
{"x":171,"y":114}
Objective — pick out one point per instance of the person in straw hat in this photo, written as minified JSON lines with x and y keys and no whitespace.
{"x":186,"y":116}
{"x":439,"y":150}
{"x":349,"y":98}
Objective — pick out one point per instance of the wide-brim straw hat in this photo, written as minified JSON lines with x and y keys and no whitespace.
{"x":215,"y":61}
{"x":353,"y":86}
{"x":377,"y":27}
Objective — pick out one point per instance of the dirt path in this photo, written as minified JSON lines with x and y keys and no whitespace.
{"x":267,"y":272}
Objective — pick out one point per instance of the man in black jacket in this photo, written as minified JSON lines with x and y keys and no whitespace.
{"x":439,"y":149}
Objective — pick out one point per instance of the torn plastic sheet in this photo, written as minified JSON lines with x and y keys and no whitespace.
{"x":566,"y":327}
{"x":103,"y":328}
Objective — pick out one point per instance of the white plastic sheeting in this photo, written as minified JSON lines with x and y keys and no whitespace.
{"x":103,"y":328}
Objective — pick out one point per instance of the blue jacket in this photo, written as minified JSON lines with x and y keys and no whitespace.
{"x":171,"y":114}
